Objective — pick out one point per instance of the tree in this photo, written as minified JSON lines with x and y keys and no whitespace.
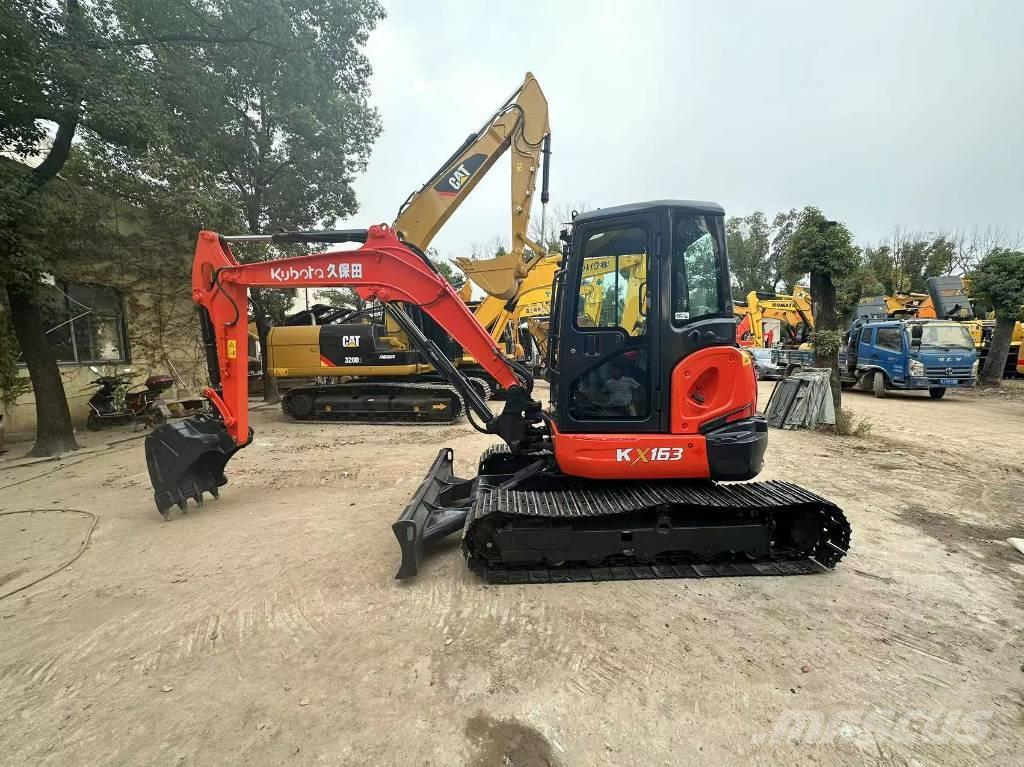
{"x":747,"y":240}
{"x":279,"y":130}
{"x":67,"y":68}
{"x":756,"y":251}
{"x":342,"y":298}
{"x":454,"y":276}
{"x":825,"y":250}
{"x":999,"y":282}
{"x":97,"y":72}
{"x":782,"y":229}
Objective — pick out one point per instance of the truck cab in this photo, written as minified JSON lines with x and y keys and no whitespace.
{"x":912,"y":354}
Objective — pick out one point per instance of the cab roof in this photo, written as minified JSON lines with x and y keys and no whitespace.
{"x":698,"y":206}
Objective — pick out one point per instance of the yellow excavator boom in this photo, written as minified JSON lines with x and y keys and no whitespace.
{"x":794,"y":310}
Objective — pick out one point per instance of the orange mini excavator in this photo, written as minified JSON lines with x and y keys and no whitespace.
{"x":619,"y":478}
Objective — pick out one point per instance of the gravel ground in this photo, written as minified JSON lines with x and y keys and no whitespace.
{"x":266,"y":628}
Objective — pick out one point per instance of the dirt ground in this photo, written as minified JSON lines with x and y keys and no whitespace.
{"x":267,"y":628}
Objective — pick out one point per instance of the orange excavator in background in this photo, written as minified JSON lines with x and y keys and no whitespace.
{"x":619,"y":478}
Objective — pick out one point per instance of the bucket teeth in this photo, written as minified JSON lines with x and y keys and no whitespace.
{"x":186,"y":459}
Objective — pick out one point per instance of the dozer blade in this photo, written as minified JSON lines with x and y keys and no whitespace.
{"x":439,"y":508}
{"x":186,"y":459}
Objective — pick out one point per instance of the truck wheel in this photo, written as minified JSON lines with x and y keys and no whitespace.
{"x":93,"y":422}
{"x":879,"y":384}
{"x":938,"y":393}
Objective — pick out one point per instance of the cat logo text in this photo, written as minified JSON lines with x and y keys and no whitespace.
{"x":635,"y":455}
{"x":458,"y":177}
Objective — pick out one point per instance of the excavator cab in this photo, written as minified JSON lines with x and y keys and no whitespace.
{"x":662,"y":277}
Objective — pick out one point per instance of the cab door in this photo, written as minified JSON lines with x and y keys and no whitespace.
{"x":608,"y":357}
{"x":867,"y":355}
{"x":889,"y":349}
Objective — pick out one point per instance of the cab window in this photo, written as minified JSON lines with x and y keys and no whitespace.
{"x":696,"y":287}
{"x":890,"y":339}
{"x":613,"y":281}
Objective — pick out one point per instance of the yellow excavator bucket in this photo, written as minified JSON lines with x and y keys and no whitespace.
{"x":499,"y":276}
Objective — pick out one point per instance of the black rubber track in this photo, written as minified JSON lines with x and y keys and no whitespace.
{"x":773,"y":501}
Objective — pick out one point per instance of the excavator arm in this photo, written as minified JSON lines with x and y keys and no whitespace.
{"x":520,"y":125}
{"x":794,"y":310}
{"x":188,"y":458}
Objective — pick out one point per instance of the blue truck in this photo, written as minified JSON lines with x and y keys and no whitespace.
{"x":912,"y":354}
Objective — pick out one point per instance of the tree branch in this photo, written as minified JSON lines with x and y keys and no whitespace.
{"x":58,"y":154}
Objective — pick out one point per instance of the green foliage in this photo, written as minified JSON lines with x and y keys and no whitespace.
{"x":999,"y":282}
{"x":827,"y":342}
{"x":818,"y":245}
{"x":278,"y":129}
{"x":756,"y":251}
{"x":454,"y":276}
{"x":221,"y":112}
{"x":904,"y":265}
{"x":343,"y":298}
{"x":747,"y":240}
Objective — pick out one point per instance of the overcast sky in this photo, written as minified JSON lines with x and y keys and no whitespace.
{"x":880,"y":113}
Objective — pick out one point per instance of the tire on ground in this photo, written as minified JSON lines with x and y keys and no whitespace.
{"x":878,"y":384}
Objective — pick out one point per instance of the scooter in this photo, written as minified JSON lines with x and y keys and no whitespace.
{"x":114,"y":404}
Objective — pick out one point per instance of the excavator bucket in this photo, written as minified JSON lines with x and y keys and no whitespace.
{"x":187,"y":458}
{"x":499,"y":276}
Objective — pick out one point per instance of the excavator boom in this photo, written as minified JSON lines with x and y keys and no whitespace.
{"x":793,"y":310}
{"x":520,"y":126}
{"x":386,"y":379}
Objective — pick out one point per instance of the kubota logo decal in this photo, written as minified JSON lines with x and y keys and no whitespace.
{"x":635,"y":455}
{"x":334,"y":271}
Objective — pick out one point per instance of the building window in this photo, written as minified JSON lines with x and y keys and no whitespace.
{"x":85,"y":323}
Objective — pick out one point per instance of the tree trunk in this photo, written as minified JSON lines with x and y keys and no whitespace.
{"x":823,"y":293}
{"x":54,"y":430}
{"x":270,"y":392}
{"x":998,"y":351}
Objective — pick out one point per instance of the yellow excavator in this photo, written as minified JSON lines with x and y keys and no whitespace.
{"x":387,"y":379}
{"x":792,"y":311}
{"x":531,"y":303}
